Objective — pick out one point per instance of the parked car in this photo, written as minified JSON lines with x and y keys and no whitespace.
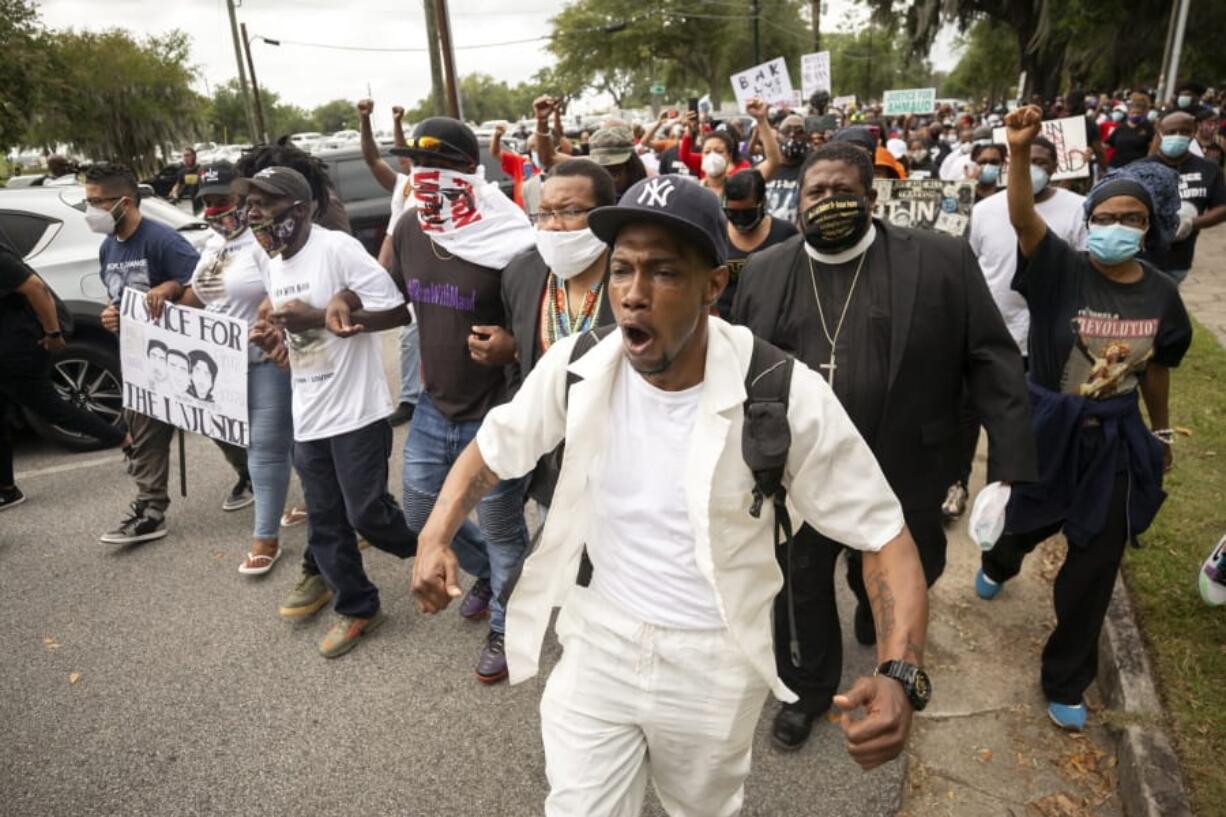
{"x":367,"y":203}
{"x":47,"y":225}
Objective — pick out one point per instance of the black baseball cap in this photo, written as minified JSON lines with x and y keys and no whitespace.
{"x":441,"y":137}
{"x":216,"y":179}
{"x":279,"y":181}
{"x":858,"y":135}
{"x":675,"y":202}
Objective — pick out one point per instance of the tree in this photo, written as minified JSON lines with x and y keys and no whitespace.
{"x":339,"y":114}
{"x":24,"y":62}
{"x":226,"y":115}
{"x":989,"y":63}
{"x":111,"y":97}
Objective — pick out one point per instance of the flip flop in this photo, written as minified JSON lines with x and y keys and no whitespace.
{"x":257,"y":564}
{"x":293,"y":516}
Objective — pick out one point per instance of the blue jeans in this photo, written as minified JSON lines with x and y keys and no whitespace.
{"x":496,"y":548}
{"x":410,"y":364}
{"x":271,"y":416}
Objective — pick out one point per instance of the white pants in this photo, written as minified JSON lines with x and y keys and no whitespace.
{"x":625,"y":692}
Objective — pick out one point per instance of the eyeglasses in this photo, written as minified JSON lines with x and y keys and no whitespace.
{"x":1138,"y":220}
{"x":544,"y":216}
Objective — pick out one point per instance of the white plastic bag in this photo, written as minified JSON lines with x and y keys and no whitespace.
{"x":987,"y":519}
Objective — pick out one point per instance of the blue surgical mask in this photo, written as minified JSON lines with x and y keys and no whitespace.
{"x":1185,"y":100}
{"x":1113,"y":244}
{"x":1152,"y":116}
{"x":989,"y":174}
{"x":1175,"y":145}
{"x":1038,"y":179}
{"x":1118,"y":116}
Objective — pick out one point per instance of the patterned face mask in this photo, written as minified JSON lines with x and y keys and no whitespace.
{"x":274,"y":234}
{"x":227,"y":220}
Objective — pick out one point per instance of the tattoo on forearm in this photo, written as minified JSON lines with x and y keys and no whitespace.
{"x":481,"y":484}
{"x":881,"y":598}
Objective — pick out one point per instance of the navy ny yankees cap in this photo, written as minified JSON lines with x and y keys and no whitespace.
{"x":674,"y":202}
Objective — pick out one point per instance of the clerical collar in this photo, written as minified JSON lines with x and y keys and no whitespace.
{"x":846,"y":255}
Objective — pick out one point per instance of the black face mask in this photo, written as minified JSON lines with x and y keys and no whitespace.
{"x":746,"y":221}
{"x":837,"y":223}
{"x":795,"y":148}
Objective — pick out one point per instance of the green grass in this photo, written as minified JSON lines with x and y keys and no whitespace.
{"x":1187,"y":638}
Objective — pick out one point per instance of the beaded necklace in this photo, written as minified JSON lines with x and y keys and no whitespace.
{"x":556,"y":320}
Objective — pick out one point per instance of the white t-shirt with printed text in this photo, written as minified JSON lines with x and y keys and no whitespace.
{"x":229,"y":280}
{"x":339,"y":383}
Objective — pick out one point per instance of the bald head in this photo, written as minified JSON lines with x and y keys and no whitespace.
{"x":1178,"y":123}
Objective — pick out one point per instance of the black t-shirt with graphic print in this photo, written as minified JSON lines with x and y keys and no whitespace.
{"x":1200,"y":182}
{"x":1089,"y":335}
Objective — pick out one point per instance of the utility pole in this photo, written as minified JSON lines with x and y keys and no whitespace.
{"x":261,"y":130}
{"x":242,"y":74}
{"x":1170,"y":73}
{"x":443,"y":21}
{"x":757,"y":11}
{"x":436,"y":68}
{"x":815,"y":8}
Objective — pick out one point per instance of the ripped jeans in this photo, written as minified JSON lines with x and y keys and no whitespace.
{"x":492,"y":550}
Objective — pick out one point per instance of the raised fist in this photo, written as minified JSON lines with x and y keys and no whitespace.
{"x":365,"y":107}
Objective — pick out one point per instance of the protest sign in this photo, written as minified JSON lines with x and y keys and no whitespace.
{"x":843,"y":102}
{"x":188,"y":368}
{"x":926,"y":204}
{"x":914,"y":100}
{"x":1072,"y":152}
{"x":769,"y":80}
{"x":814,"y":73}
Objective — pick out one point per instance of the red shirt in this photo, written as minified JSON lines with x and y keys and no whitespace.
{"x":513,"y":166}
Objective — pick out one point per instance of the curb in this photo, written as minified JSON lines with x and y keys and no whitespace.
{"x":1150,"y":781}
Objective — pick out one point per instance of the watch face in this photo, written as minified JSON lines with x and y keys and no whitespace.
{"x":923,"y":687}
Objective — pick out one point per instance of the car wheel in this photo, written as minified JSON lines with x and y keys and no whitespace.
{"x":88,"y":376}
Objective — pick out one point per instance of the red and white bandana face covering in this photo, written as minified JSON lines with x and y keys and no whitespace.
{"x":470,"y":217}
{"x":446,"y":199}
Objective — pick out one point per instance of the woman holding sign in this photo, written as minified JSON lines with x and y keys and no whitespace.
{"x":228,"y":281}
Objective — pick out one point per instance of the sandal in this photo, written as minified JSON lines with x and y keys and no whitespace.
{"x":293,"y":516}
{"x":257,"y":564}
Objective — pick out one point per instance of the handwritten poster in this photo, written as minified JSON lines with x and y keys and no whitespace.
{"x":769,"y":80}
{"x":815,"y":73}
{"x":1072,"y":152}
{"x":188,"y":368}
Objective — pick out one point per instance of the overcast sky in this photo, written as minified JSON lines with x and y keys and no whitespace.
{"x":309,"y":76}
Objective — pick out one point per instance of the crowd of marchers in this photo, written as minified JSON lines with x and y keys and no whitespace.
{"x":692,"y":346}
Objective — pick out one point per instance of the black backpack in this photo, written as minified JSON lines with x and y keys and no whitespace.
{"x":765,"y":440}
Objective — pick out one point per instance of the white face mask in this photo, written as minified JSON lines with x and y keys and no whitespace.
{"x":714,"y":164}
{"x":99,"y":220}
{"x":447,"y":200}
{"x":570,"y":253}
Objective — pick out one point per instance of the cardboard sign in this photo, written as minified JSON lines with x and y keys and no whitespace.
{"x":1072,"y":153}
{"x":188,"y":368}
{"x":769,"y":80}
{"x":843,"y":102}
{"x":926,"y":204}
{"x":814,"y":73}
{"x":915,"y":100}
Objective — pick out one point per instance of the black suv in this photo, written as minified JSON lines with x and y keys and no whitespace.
{"x":366,"y":202}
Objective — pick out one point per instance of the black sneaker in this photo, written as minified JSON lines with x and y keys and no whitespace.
{"x":240,"y":496}
{"x":791,"y":728}
{"x":10,"y":497}
{"x":402,"y":414}
{"x":140,"y":526}
{"x":492,"y":665}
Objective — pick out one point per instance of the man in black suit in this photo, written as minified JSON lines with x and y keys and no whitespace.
{"x":900,"y":321}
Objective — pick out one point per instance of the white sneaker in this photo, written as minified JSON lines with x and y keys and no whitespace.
{"x":1212,"y":577}
{"x":955,"y":501}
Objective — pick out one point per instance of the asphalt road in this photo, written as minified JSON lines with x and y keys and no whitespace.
{"x":155,"y":680}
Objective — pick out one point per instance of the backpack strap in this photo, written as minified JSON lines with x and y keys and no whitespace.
{"x":766,"y":437}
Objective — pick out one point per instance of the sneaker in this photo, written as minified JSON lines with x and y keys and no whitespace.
{"x":11,"y":497}
{"x":307,"y":597}
{"x":240,"y":496}
{"x":476,"y":602}
{"x":1072,"y":718}
{"x":1212,"y":579}
{"x":985,"y":588}
{"x":139,"y":526}
{"x":492,"y":665}
{"x":955,"y":501}
{"x":346,"y":632}
{"x":402,"y":414}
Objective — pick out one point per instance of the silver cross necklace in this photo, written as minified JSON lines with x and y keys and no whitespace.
{"x":832,"y":364}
